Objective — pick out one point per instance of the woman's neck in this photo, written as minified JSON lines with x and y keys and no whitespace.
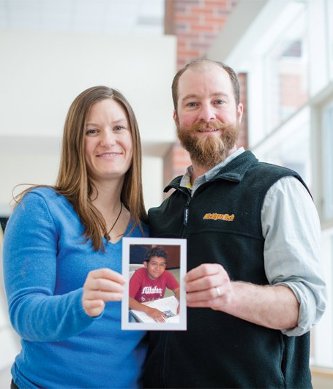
{"x":107,"y":197}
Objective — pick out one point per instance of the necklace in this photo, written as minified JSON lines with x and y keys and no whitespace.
{"x":114,"y":223}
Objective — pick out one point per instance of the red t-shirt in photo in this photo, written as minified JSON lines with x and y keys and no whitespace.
{"x":143,"y":289}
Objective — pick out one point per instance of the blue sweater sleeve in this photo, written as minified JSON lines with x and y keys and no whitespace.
{"x":30,"y":272}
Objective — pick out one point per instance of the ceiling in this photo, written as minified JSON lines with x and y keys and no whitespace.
{"x":109,"y":16}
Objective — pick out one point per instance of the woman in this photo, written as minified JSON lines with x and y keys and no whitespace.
{"x":62,"y":254}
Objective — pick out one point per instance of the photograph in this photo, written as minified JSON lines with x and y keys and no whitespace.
{"x":155,"y":294}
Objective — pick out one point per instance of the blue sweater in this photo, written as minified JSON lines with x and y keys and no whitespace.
{"x":46,"y":261}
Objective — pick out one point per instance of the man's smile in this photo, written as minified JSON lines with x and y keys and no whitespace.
{"x":208,"y":130}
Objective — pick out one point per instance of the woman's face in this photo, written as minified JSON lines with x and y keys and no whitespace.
{"x":108,"y":141}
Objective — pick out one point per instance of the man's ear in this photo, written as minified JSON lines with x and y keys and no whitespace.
{"x":145,"y":264}
{"x":240,"y":110}
{"x":175,"y":117}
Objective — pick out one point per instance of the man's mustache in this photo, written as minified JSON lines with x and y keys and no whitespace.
{"x":212,"y":125}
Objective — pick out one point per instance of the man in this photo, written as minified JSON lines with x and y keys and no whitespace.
{"x":254,"y":285}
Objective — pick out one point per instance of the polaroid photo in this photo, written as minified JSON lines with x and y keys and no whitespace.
{"x":154,"y":296}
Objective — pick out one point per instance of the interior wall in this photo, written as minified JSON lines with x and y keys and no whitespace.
{"x":16,"y":169}
{"x":152,"y":179}
{"x":41,"y":74}
{"x":42,"y":168}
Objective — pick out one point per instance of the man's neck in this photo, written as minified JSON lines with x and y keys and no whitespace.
{"x":199,"y":170}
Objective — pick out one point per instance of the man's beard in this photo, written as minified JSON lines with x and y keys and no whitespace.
{"x":209,"y":150}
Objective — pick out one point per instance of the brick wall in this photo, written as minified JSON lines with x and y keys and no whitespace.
{"x":196,"y":24}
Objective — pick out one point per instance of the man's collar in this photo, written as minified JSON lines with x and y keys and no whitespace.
{"x":186,"y":179}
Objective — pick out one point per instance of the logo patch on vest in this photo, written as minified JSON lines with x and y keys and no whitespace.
{"x":220,"y":216}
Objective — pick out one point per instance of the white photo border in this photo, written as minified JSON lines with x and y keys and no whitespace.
{"x":125,"y":323}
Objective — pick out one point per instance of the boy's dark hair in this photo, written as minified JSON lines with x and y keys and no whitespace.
{"x":155,"y":252}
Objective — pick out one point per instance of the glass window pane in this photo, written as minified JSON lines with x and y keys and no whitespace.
{"x":291,"y":155}
{"x":286,"y":69}
{"x":329,"y":23}
{"x":327,"y":162}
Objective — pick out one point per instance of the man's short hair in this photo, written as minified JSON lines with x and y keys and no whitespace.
{"x":201,"y":62}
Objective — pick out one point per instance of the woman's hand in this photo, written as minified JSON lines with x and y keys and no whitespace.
{"x":101,"y":286}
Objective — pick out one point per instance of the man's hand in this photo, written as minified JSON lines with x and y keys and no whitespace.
{"x":271,"y":306}
{"x":101,"y":286}
{"x":208,"y":285}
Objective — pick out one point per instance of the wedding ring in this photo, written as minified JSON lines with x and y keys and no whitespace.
{"x":218,"y":291}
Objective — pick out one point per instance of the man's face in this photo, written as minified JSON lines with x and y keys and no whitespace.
{"x":207,"y":116}
{"x":155,"y":267}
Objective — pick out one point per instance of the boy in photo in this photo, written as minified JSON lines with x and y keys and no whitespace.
{"x":150,"y":282}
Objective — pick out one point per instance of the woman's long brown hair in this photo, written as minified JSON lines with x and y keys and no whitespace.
{"x":73,"y":179}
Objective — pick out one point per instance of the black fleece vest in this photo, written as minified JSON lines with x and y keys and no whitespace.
{"x":222,"y":224}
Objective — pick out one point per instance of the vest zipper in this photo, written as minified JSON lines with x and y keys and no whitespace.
{"x":186,"y":211}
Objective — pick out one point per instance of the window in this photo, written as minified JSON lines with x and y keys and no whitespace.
{"x":327,"y":162}
{"x":322,"y":332}
{"x":329,"y":24}
{"x":286,"y":70}
{"x":283,"y":149}
{"x":289,"y":62}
